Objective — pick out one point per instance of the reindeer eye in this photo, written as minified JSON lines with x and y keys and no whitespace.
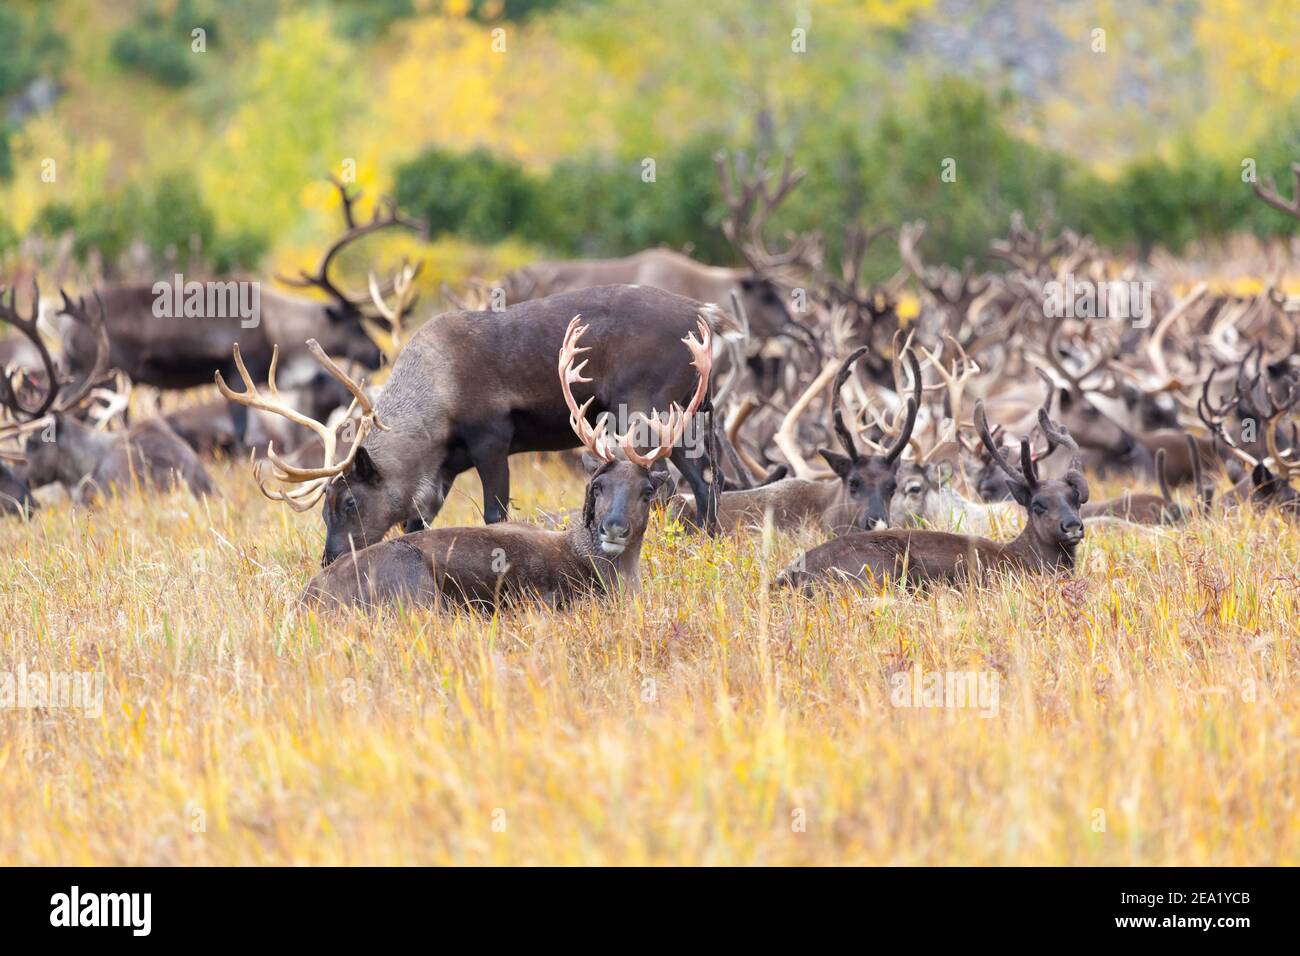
{"x":647,"y":492}
{"x":855,"y":485}
{"x":1039,"y":508}
{"x":913,"y":489}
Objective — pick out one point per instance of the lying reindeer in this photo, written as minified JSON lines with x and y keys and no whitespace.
{"x":82,"y":458}
{"x":859,"y":497}
{"x":1052,"y":533}
{"x":1268,"y":484}
{"x":485,"y":567}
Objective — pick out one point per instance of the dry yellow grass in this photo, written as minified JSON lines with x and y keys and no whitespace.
{"x":1147,"y":713}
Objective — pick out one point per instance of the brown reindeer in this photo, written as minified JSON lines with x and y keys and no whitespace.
{"x":486,"y":567}
{"x":170,"y":352}
{"x":1052,"y":533}
{"x":471,"y":389}
{"x":1268,"y":483}
{"x":751,"y":197}
{"x":858,"y":497}
{"x":61,"y":448}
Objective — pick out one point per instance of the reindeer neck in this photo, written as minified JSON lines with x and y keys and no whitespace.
{"x":600,"y":569}
{"x":81,"y":449}
{"x":1033,"y":555}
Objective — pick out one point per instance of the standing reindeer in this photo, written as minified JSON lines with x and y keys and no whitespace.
{"x":1052,"y":533}
{"x":471,"y":389}
{"x":179,"y":352}
{"x":488,"y":566}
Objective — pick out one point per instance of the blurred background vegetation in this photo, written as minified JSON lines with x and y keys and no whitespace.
{"x":519,"y":128}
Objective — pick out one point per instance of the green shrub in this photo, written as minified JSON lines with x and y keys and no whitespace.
{"x":474,"y":195}
{"x":158,"y":43}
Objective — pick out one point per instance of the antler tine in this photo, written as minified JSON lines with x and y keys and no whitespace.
{"x":1267,"y":191}
{"x":79,"y":313}
{"x":837,"y":413}
{"x":28,"y":326}
{"x":1027,"y":467}
{"x":991,"y":446}
{"x":1058,"y":434}
{"x":954,"y":381}
{"x":594,"y":439}
{"x":913,"y":406}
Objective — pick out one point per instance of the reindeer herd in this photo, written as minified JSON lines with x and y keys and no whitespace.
{"x":717,"y":395}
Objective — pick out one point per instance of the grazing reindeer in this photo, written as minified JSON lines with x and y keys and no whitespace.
{"x":470,"y":389}
{"x":1052,"y":533}
{"x":82,"y":458}
{"x":486,"y":567}
{"x":859,"y":497}
{"x":180,"y":352}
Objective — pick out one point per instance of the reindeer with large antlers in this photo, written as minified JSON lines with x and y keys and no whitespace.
{"x":1047,"y":545}
{"x":489,"y":566}
{"x":83,"y":458}
{"x":156,"y":348}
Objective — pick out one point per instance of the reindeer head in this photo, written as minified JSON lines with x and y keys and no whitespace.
{"x":1054,"y":525}
{"x":619,"y":493}
{"x":917,"y":482}
{"x":868,"y":482}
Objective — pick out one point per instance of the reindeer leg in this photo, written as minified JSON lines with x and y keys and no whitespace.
{"x":692,"y":463}
{"x":490,"y":453}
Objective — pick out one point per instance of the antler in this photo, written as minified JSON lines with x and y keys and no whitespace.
{"x":1025,"y":476}
{"x":751,"y":198}
{"x":403,"y":285}
{"x":311,"y":482}
{"x":78,"y":312}
{"x":955,"y":381}
{"x":386,"y":214}
{"x":1267,"y":191}
{"x":666,"y":434}
{"x":27,"y":325}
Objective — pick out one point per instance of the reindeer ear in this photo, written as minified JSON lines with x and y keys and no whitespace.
{"x":364,"y":469}
{"x":590,"y":463}
{"x":1079,"y":483}
{"x":1263,"y":479}
{"x":840,"y":464}
{"x":942,"y":473}
{"x":1020,"y":492}
{"x":659,"y":474}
